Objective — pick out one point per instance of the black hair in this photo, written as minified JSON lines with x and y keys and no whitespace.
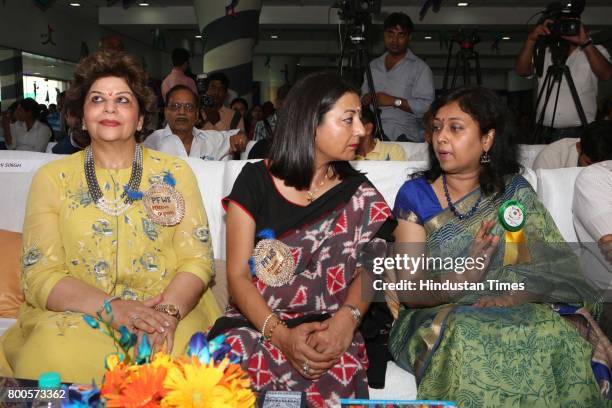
{"x":292,"y":154}
{"x":242,"y":101}
{"x":596,"y":141}
{"x":180,"y":56}
{"x":30,"y":105}
{"x":399,"y":19}
{"x":367,"y":116}
{"x":491,"y":113}
{"x":218,"y":76}
{"x":181,"y":87}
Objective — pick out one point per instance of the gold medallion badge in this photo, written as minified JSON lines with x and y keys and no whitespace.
{"x":164,"y":205}
{"x":273,"y":262}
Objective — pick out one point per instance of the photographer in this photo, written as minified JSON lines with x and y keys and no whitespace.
{"x":402,"y":81}
{"x":217,"y":116}
{"x":587,"y":64}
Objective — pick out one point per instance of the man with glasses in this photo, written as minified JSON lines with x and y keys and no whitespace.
{"x":181,"y":138}
{"x":402,"y":81}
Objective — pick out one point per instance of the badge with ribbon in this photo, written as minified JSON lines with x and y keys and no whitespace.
{"x":512,"y":217}
{"x":272,"y":261}
{"x":163,"y":204}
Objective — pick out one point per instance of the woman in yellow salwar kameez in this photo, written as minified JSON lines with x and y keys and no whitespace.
{"x":115,"y":223}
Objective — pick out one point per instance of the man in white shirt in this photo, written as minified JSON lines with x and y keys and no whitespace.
{"x":27,"y":133}
{"x":594,"y":145}
{"x":592,"y":209}
{"x":181,"y":138}
{"x":587,"y":63}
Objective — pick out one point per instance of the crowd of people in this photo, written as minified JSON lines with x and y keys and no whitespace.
{"x":304,"y":228}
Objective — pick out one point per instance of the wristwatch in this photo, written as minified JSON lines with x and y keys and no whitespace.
{"x":169,"y":309}
{"x":588,"y":42}
{"x":397,"y":103}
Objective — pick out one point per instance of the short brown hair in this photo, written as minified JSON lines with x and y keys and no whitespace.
{"x":107,"y":64}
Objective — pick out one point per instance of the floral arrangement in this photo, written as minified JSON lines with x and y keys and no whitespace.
{"x":207,"y":376}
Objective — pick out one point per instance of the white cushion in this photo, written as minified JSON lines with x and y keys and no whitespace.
{"x":399,"y":385}
{"x":528,"y":153}
{"x":556,"y":190}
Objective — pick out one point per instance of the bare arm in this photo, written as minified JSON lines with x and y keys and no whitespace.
{"x":524,"y":61}
{"x":602,"y":68}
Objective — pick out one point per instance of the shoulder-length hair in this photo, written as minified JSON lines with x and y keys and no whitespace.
{"x":103,"y":64}
{"x":292,"y":153}
{"x":491,"y":113}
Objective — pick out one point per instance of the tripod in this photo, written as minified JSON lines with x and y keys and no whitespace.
{"x":358,"y":61}
{"x":554,"y":76}
{"x":463,"y":63}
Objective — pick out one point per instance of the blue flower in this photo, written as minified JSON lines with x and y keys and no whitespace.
{"x":144,"y":351}
{"x":198,"y":346}
{"x":127,"y":339}
{"x":91,"y":321}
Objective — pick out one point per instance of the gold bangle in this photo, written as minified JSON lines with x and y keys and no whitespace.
{"x":279,"y":322}
{"x":263,"y":327}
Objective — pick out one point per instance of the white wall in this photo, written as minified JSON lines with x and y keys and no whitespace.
{"x":22,"y":23}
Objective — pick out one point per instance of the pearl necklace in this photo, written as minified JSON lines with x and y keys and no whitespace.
{"x":119,"y":205}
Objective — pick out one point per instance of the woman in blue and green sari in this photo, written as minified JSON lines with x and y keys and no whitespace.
{"x":496,"y":335}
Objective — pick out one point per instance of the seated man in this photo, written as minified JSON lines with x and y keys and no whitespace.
{"x":181,"y":138}
{"x":374,"y":149}
{"x":592,"y":208}
{"x":594,"y":145}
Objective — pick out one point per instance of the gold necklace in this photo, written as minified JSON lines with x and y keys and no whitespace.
{"x":312,"y":193}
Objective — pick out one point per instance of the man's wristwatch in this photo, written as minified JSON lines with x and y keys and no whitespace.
{"x":169,"y":309}
{"x":588,"y":42}
{"x":397,"y":103}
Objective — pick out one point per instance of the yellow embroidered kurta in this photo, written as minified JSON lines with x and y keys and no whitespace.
{"x":130,"y":256}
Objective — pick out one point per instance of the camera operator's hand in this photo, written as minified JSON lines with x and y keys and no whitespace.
{"x":539,"y":30}
{"x":579,"y":39}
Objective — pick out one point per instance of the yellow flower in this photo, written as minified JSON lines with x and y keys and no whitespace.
{"x":191,"y":384}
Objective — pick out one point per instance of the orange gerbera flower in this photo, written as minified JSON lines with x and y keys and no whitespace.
{"x":144,"y":389}
{"x":114,"y":379}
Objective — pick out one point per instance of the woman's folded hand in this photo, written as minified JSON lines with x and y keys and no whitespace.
{"x":337,"y":338}
{"x":303,"y":357}
{"x":137,"y":315}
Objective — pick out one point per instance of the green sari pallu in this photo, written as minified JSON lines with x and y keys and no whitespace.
{"x":525,"y":355}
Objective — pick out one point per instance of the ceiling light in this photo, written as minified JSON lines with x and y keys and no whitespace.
{"x":505,"y":38}
{"x":428,"y":37}
{"x":143,"y":4}
{"x":198,"y":36}
{"x":463,"y":4}
{"x":75,"y":4}
{"x":274,"y":36}
{"x":36,"y":73}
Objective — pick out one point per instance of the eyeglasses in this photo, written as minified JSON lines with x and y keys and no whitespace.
{"x":189,"y":107}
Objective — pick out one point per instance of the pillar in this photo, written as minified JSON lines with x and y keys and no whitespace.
{"x":11,"y":76}
{"x":229,"y":29}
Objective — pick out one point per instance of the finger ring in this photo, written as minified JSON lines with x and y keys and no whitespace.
{"x":134,"y":318}
{"x":306,"y":367}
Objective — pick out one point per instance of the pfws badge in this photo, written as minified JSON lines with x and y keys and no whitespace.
{"x":512,"y":216}
{"x":272,"y":261}
{"x":164,"y":205}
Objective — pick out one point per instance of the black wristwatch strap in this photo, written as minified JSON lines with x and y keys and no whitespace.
{"x":586,"y":44}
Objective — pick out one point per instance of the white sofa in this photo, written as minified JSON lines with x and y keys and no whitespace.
{"x":215,"y":180}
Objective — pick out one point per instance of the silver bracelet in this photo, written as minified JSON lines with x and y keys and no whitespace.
{"x":354,"y":311}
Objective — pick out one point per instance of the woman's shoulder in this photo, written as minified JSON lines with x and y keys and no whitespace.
{"x":414,"y":185}
{"x":253,"y":171}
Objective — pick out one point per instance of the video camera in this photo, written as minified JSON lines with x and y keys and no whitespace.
{"x":357,"y":10}
{"x":565,"y":17}
{"x":204,"y":100}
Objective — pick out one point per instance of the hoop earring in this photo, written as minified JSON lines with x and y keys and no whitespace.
{"x":485,"y":158}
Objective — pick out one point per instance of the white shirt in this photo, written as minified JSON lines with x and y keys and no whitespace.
{"x":557,"y":155}
{"x":206,"y":144}
{"x":34,"y":140}
{"x":586,"y":87}
{"x":592,"y":208}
